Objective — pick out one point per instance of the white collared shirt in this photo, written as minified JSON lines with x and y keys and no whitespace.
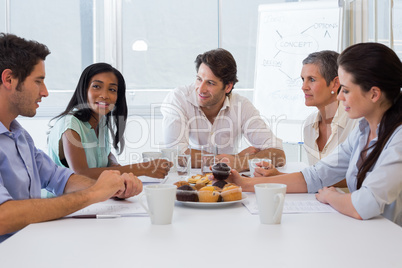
{"x":341,"y":126}
{"x":185,"y":123}
{"x":381,"y":191}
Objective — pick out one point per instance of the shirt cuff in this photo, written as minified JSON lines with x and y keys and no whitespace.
{"x":57,"y":186}
{"x":312,"y":180}
{"x":365,"y":203}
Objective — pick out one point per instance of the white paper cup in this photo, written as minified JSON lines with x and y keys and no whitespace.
{"x":160,"y":199}
{"x":270,"y":199}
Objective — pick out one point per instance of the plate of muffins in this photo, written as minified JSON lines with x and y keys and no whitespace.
{"x":200,"y":191}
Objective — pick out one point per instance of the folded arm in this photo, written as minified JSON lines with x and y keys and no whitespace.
{"x":295,"y":181}
{"x":79,"y":191}
{"x":75,"y":156}
{"x":240,"y":161}
{"x":341,"y":202}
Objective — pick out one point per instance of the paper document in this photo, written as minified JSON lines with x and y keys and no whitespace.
{"x":146,"y":179}
{"x":294,"y":203}
{"x":127,"y":208}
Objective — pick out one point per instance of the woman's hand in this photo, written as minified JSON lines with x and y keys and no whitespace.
{"x":157,"y":168}
{"x":243,"y":182}
{"x":265,"y":169}
{"x":324,"y":193}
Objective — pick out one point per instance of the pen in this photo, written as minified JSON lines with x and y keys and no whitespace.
{"x":93,"y":216}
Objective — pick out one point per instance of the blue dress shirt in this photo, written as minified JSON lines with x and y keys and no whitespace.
{"x":381,"y":191}
{"x":24,"y":169}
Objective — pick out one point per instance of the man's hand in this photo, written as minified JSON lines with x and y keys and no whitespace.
{"x":110,"y":183}
{"x":157,"y":168}
{"x":248,"y":151}
{"x":133,"y":186}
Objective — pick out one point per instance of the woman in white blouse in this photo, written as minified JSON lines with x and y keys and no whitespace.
{"x":370,"y":159}
{"x":329,"y":126}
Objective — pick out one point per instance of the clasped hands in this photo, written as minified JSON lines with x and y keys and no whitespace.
{"x":113,"y":184}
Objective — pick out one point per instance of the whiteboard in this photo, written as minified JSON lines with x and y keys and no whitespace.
{"x":287,"y":33}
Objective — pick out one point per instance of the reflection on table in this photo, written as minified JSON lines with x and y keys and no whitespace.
{"x":228,"y":236}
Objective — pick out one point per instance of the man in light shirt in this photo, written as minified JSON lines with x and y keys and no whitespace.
{"x":207,"y":113}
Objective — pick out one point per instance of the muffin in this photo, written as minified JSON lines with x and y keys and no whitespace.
{"x":194,"y":179}
{"x":231,"y":193}
{"x":230,"y":184}
{"x":199,"y":185}
{"x":181,"y":183}
{"x":208,"y":194}
{"x":221,"y":171}
{"x":186,"y":193}
{"x":220,"y":184}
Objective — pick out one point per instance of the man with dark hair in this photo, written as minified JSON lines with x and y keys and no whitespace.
{"x":25,"y":170}
{"x":207,"y":113}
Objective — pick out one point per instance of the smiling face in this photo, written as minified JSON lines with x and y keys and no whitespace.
{"x":102,"y":93}
{"x":26,"y":96}
{"x":211,"y":91}
{"x":357,"y":102}
{"x":316,"y":91}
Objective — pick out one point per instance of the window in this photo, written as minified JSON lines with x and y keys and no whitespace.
{"x":154,"y":43}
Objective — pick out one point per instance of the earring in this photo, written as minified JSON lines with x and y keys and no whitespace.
{"x":332,"y":92}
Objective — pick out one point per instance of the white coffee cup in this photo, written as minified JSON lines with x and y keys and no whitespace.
{"x":270,"y":199}
{"x":170,"y":154}
{"x":252,"y":164}
{"x":160,"y":199}
{"x":149,"y":156}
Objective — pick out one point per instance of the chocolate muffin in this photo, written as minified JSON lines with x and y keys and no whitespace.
{"x":220,"y":184}
{"x":186,"y":193}
{"x":221,"y":171}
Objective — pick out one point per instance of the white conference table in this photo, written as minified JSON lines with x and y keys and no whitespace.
{"x":207,"y":237}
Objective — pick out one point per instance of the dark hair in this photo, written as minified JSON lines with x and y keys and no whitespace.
{"x":326,"y":61}
{"x":20,"y":55}
{"x":221,"y":63}
{"x":374,"y":64}
{"x":78,"y":105}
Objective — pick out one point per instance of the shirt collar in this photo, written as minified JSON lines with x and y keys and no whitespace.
{"x":365,"y":127}
{"x":3,"y":129}
{"x":191,"y":96}
{"x":341,"y":117}
{"x":15,"y":128}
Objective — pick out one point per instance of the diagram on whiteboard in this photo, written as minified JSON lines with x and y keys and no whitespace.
{"x":287,"y":34}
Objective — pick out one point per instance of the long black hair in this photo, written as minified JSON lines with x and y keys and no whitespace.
{"x":79,"y":107}
{"x":374,"y":64}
